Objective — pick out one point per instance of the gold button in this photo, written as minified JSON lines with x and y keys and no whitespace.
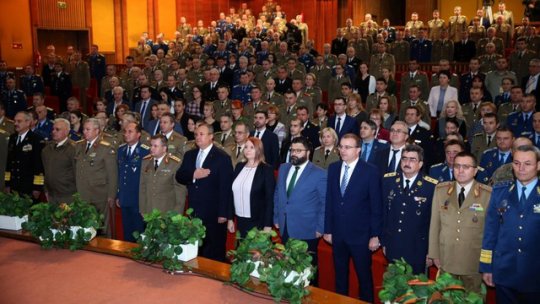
{"x":459,"y":221}
{"x":458,"y":231}
{"x":457,"y":239}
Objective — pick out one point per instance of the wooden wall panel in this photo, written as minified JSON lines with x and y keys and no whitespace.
{"x":72,"y":17}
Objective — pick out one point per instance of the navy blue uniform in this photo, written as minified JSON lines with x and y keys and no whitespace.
{"x":442,"y":173}
{"x":511,"y":247}
{"x":129,"y":175}
{"x":242,"y":93}
{"x":421,"y":50}
{"x":491,"y":160}
{"x":44,"y":128}
{"x":406,"y":218}
{"x":14,"y":101}
{"x":519,"y":126}
{"x":31,"y":84}
{"x":97,"y":68}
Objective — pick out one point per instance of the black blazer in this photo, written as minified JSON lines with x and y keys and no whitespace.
{"x":282,"y":88}
{"x":262,"y":193}
{"x":535,"y":92}
{"x":270,"y":143}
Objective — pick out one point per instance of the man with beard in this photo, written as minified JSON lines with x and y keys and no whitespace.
{"x":300,"y":198}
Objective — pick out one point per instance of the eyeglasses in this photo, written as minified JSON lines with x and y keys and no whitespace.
{"x":297,"y":151}
{"x":398,"y":131}
{"x":463,"y":166}
{"x":409,"y":159}
{"x":346,"y":147}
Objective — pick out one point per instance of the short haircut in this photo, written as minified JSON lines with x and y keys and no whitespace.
{"x":162,"y":139}
{"x":93,"y":121}
{"x":492,"y":115}
{"x":303,"y":141}
{"x":529,"y":148}
{"x":302,"y":108}
{"x":353,"y":136}
{"x":468,"y":154}
{"x":414,"y":148}
{"x":372,"y":125}
{"x":265,"y":113}
{"x":455,"y":142}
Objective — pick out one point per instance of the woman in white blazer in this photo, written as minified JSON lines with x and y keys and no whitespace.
{"x":450,"y":94}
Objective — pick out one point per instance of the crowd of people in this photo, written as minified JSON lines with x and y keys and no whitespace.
{"x":438,"y":169}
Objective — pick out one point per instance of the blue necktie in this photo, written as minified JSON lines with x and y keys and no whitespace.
{"x":523,"y":198}
{"x":364,"y":152}
{"x":345,"y":180}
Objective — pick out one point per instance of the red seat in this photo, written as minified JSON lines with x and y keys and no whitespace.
{"x":53,"y":102}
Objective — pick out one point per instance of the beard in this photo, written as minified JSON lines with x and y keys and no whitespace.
{"x":295,"y":160}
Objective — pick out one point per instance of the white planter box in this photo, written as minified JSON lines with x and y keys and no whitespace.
{"x":189,"y":251}
{"x":301,"y":279}
{"x":12,"y":222}
{"x":74,"y":230}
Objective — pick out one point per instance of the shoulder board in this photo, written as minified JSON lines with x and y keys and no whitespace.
{"x":145,"y":147}
{"x":391,"y":174}
{"x":478,"y":134}
{"x":481,"y":169}
{"x":122,"y":145}
{"x":2,"y":131}
{"x":80,"y":141}
{"x":175,"y":158}
{"x":445,"y":184}
{"x":431,"y":180}
{"x":502,"y":184}
{"x":7,"y":119}
{"x":318,"y":148}
{"x":437,"y":165}
{"x":490,"y":150}
{"x":149,"y":156}
{"x":484,"y":187}
{"x":236,"y":86}
{"x":106,"y":144}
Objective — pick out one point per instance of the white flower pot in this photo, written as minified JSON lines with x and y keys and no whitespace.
{"x":189,"y":252}
{"x":293,"y":276}
{"x":12,"y":222}
{"x":74,"y":230}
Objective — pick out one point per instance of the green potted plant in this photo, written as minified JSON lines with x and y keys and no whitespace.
{"x":13,"y":210}
{"x":285,"y":269}
{"x":64,"y":226}
{"x":400,"y":285}
{"x":170,"y":238}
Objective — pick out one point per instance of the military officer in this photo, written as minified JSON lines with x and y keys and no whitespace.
{"x":457,"y":24}
{"x":491,"y":38}
{"x":372,"y":101}
{"x":443,"y":48}
{"x":61,"y":85}
{"x":24,"y":169}
{"x":223,"y":104}
{"x":4,"y":139}
{"x":414,"y":100}
{"x":256,"y":103}
{"x":382,"y":60}
{"x":226,"y":136}
{"x":14,"y":100}
{"x":414,"y":25}
{"x":327,"y":153}
{"x":6,"y":124}
{"x":435,"y":26}
{"x":175,"y":141}
{"x":400,"y":48}
{"x":236,"y":150}
{"x":58,"y":158}
{"x":80,"y":77}
{"x":242,"y":91}
{"x":130,"y":157}
{"x":407,"y":211}
{"x":96,"y":62}
{"x":504,"y":173}
{"x":158,"y":187}
{"x":510,"y":247}
{"x":96,"y":171}
{"x":31,"y":83}
{"x":502,"y":154}
{"x":505,"y":109}
{"x":520,"y":123}
{"x":486,"y":139}
{"x":457,"y":221}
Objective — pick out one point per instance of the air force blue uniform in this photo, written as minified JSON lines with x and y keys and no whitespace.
{"x":519,"y":125}
{"x":442,"y":173}
{"x":406,"y":218}
{"x":511,"y":247}
{"x":491,"y":160}
{"x":129,"y":173}
{"x":242,"y":93}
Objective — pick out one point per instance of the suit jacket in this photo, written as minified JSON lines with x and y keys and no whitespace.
{"x":311,"y":132}
{"x":210,"y":94}
{"x":433,"y":99}
{"x":271,"y":147}
{"x":110,"y":106}
{"x":357,"y":204}
{"x":148,"y":112}
{"x":535,"y":92}
{"x":303,"y":212}
{"x":261,"y":197}
{"x":209,"y":197}
{"x":282,"y":88}
{"x":152,"y":124}
{"x":339,"y":46}
{"x":375,"y":148}
{"x":349,"y":125}
{"x":382,"y":158}
{"x":464,"y":52}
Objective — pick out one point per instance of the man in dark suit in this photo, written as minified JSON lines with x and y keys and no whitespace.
{"x":118,"y":98}
{"x":295,"y":130}
{"x":370,"y":145}
{"x":340,"y":121}
{"x":14,"y":100}
{"x":339,"y":44}
{"x":144,"y":107}
{"x":419,"y":134}
{"x":388,"y":159}
{"x":347,"y":204}
{"x":465,"y":80}
{"x":61,"y":85}
{"x":464,"y":49}
{"x":269,"y":139}
{"x":299,"y":198}
{"x":207,"y":172}
{"x":209,"y":89}
{"x":531,"y":84}
{"x":283,"y":82}
{"x":225,"y":73}
{"x":97,"y":64}
{"x":309,"y":131}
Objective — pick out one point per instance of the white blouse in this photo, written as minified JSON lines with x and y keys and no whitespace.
{"x":241,"y":188}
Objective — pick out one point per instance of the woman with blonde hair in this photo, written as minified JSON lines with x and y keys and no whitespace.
{"x":253,"y":190}
{"x":327,"y":152}
{"x":311,"y":88}
{"x":451,"y":109}
{"x":275,"y":125}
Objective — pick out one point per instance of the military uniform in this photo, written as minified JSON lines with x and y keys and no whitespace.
{"x":372,"y":101}
{"x":31,"y":84}
{"x":505,"y":110}
{"x":334,"y":87}
{"x":470,"y":115}
{"x":420,"y":104}
{"x":519,"y":62}
{"x":250,"y":108}
{"x":4,"y":140}
{"x":97,"y":68}
{"x":504,"y":32}
{"x":323,"y":158}
{"x":229,"y":139}
{"x":262,"y":76}
{"x":175,"y":144}
{"x":275,"y":98}
{"x":456,"y":25}
{"x":519,"y":126}
{"x":97,"y":175}
{"x":488,"y":63}
{"x":59,"y":169}
{"x":419,"y":78}
{"x":414,"y":27}
{"x":481,"y":46}
{"x":237,"y":156}
{"x":330,"y":60}
{"x":443,"y":173}
{"x":196,"y":76}
{"x":61,"y":87}
{"x":476,"y":33}
{"x":442,"y":49}
{"x":479,"y":144}
{"x":129,"y":174}
{"x":362,"y":49}
{"x":455,"y":232}
{"x":406,"y":216}
{"x":119,"y":139}
{"x":401,"y":51}
{"x":380,"y":61}
{"x":24,"y":168}
{"x":158,"y":187}
{"x":510,"y":246}
{"x":14,"y":101}
{"x":435,"y":26}
{"x":503,"y":174}
{"x":323,"y":74}
{"x":491,"y":160}
{"x":315,"y":93}
{"x":7,"y":125}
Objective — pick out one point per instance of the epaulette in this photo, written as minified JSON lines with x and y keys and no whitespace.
{"x":478,"y":134}
{"x":490,"y":150}
{"x":149,"y":156}
{"x":481,"y":169}
{"x":106,"y":144}
{"x":431,"y":179}
{"x":444,"y":184}
{"x":437,"y":165}
{"x":7,"y":119}
{"x":122,"y":145}
{"x":390,"y":174}
{"x":502,"y":184}
{"x":79,"y":141}
{"x":2,"y":131}
{"x":145,"y":147}
{"x":319,"y":147}
{"x":175,"y":158}
{"x":484,"y":187}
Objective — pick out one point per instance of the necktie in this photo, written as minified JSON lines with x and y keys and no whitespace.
{"x":537,"y":140}
{"x":529,"y":86}
{"x":392,"y":165}
{"x":475,"y":106}
{"x":326,"y":153}
{"x":223,"y":138}
{"x":292,"y":182}
{"x":407,"y":185}
{"x":198,"y":164}
{"x":525,"y":118}
{"x":19,"y":139}
{"x":502,"y":158}
{"x":489,"y":140}
{"x":156,"y":165}
{"x":514,"y":107}
{"x":451,"y":172}
{"x":238,"y":150}
{"x":257,"y":134}
{"x":143,"y":108}
{"x":128,"y":151}
{"x":338,"y":125}
{"x":87,"y":147}
{"x":461,"y":196}
{"x":523,"y":197}
{"x":289,"y":110}
{"x":345,"y":180}
{"x":364,"y":152}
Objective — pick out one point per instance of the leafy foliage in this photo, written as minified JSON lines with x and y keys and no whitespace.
{"x":53,"y":224}
{"x":275,"y":263}
{"x":163,"y":236}
{"x":14,"y":205}
{"x":400,"y":285}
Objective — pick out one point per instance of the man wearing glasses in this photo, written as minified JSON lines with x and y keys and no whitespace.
{"x":457,"y":222}
{"x":353,"y":221}
{"x":407,"y":211}
{"x":388,"y":159}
